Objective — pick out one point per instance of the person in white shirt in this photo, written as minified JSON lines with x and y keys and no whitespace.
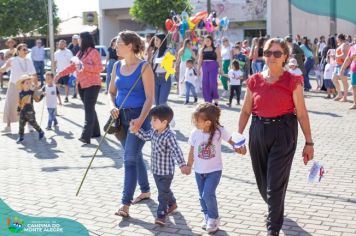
{"x":226,"y":56}
{"x":51,"y":94}
{"x":205,"y":152}
{"x":62,"y":59}
{"x":328,"y":74}
{"x":235,"y":76}
{"x":293,"y":67}
{"x":190,"y":77}
{"x":38,"y":58}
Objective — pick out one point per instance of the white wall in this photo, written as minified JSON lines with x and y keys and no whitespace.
{"x":115,"y":4}
{"x":108,"y":28}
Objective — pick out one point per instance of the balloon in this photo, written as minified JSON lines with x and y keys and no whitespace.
{"x":208,"y":26}
{"x":226,"y":24}
{"x":222,"y":22}
{"x":176,"y":19}
{"x":183,"y":27}
{"x":202,"y":15}
{"x":195,"y":20}
{"x":175,"y":36}
{"x":201,"y":24}
{"x":214,"y":22}
{"x":169,"y":24}
{"x":167,"y":64}
{"x":184,"y":15}
{"x":191,"y":25}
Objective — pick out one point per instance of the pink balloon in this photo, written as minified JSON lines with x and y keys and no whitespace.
{"x":209,"y":27}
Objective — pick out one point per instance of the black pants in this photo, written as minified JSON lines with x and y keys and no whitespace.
{"x":89,"y":97}
{"x":28,"y":115}
{"x":237,"y":89}
{"x":165,"y":195}
{"x":272,"y":146}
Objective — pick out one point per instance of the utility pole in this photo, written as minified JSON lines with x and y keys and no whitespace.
{"x":209,"y":6}
{"x":290,"y":17}
{"x":333,"y":17}
{"x":51,"y":33}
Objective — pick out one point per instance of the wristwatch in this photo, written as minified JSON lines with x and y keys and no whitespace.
{"x":309,"y":144}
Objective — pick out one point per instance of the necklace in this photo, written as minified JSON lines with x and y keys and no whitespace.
{"x":23,"y":67}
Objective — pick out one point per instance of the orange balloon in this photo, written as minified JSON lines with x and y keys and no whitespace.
{"x":202,"y":15}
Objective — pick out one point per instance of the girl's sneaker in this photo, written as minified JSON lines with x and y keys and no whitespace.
{"x":204,"y":222}
{"x":212,"y":225}
{"x":20,"y":139}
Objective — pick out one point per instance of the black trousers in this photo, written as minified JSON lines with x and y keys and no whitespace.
{"x":89,"y":97}
{"x":272,"y":146}
{"x":233,"y":89}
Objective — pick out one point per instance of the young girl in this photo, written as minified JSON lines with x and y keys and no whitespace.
{"x":328,"y":74}
{"x":205,"y":151}
{"x":235,"y":77}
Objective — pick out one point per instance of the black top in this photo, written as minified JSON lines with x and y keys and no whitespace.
{"x":260,"y":52}
{"x":210,"y":55}
{"x":112,"y":54}
{"x":74,"y":49}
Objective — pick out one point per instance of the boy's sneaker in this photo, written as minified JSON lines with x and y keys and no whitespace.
{"x":172,"y":208}
{"x":161,"y":221}
{"x":195,"y":100}
{"x":48,"y":128}
{"x":66,"y":99}
{"x":55,"y":123}
{"x":212,"y":225}
{"x":40,"y":135}
{"x":228,"y":104}
{"x":204,"y":222}
{"x":186,"y":102}
{"x":19,"y":139}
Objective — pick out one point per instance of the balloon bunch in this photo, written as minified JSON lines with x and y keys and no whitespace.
{"x":200,"y":21}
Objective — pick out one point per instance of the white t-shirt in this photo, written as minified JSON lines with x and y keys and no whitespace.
{"x":189,"y":76}
{"x":62,"y":57}
{"x":207,"y":159}
{"x":329,"y":70}
{"x":21,"y":66}
{"x":296,"y":71}
{"x":51,"y":96}
{"x":157,"y":62}
{"x":226,"y":52}
{"x":234,"y":75}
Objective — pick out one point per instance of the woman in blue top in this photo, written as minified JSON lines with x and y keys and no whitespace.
{"x":134,"y":112}
{"x":308,"y":63}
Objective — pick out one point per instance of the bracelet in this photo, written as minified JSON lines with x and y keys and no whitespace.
{"x":309,"y":144}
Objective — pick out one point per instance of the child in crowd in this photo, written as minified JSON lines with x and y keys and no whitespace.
{"x":25,"y":106}
{"x":293,"y":67}
{"x":205,"y":152}
{"x":190,"y":78}
{"x":235,"y":77}
{"x":165,"y":150}
{"x":51,"y":93}
{"x":328,"y":74}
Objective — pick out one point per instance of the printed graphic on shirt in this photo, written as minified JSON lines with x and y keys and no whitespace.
{"x":206,"y":152}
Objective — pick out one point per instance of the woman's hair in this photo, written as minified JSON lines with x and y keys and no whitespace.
{"x":208,"y":112}
{"x":211,"y":40}
{"x":163,"y":47}
{"x":87,"y":42}
{"x":305,"y":41}
{"x":49,"y":73}
{"x":254,"y":41}
{"x":260,"y":43}
{"x":331,"y":42}
{"x":235,"y":64}
{"x":19,"y":47}
{"x":186,"y":42}
{"x":131,"y":37}
{"x":281,"y":43}
{"x":113,"y":41}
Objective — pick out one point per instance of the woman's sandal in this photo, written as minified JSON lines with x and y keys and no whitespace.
{"x":141,"y":197}
{"x":123,"y":211}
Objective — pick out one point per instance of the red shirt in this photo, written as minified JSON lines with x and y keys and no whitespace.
{"x":272,"y":100}
{"x":90,"y":75}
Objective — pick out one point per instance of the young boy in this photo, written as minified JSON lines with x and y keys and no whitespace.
{"x":165,"y":151}
{"x":190,"y":78}
{"x":25,"y":107}
{"x":293,"y":67}
{"x":51,"y":93}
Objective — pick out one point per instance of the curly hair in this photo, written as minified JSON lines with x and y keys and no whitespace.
{"x":208,"y":112}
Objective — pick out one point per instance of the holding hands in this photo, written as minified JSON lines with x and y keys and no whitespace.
{"x":186,"y":170}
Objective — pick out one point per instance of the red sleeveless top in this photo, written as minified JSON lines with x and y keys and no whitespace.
{"x":272,"y":100}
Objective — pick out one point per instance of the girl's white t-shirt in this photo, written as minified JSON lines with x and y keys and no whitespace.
{"x":226,"y":52}
{"x":51,"y":96}
{"x":234,"y":75}
{"x":207,"y":159}
{"x":21,"y":66}
{"x":329,"y":70}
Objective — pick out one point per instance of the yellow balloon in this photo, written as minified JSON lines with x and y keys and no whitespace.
{"x":191,"y":25}
{"x":167,"y":64}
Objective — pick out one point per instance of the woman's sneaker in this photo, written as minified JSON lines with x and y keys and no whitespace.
{"x":204,"y":222}
{"x":212,"y":225}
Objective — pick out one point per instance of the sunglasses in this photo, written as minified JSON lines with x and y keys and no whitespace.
{"x":24,"y":49}
{"x":276,"y":54}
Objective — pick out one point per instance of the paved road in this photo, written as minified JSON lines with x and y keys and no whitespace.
{"x":41,"y":178}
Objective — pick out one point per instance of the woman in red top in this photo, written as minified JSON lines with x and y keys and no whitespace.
{"x":275,"y":100}
{"x":89,"y":84}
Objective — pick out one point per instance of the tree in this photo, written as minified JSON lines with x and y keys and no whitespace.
{"x":22,"y":16}
{"x":155,"y":12}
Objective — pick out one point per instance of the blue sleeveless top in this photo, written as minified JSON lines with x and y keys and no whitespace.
{"x":124,"y":83}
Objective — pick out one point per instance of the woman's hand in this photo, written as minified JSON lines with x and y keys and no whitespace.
{"x":308,"y":153}
{"x":115,"y":113}
{"x":135,"y":125}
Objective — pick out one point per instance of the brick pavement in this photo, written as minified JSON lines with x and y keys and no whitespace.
{"x":41,"y":178}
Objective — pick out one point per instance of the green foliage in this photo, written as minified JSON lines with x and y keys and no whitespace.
{"x":155,"y":12}
{"x":22,"y":16}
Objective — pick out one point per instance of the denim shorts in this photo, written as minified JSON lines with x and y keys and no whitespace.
{"x":329,"y":84}
{"x":337,"y":70}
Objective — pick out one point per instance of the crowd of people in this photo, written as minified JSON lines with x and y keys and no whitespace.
{"x":276,"y":73}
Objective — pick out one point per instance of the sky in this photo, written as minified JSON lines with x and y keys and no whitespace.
{"x":69,"y":8}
